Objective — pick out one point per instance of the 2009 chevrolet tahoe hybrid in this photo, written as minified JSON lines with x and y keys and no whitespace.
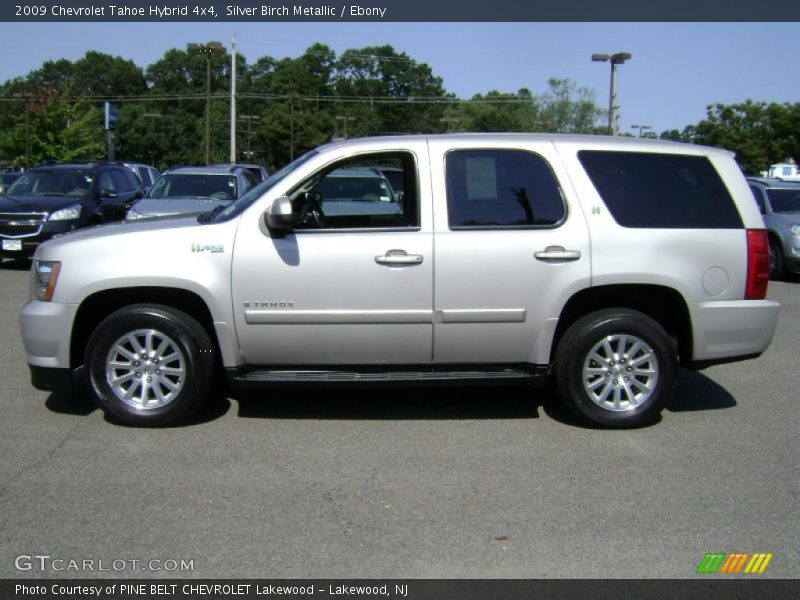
{"x":505,"y":258}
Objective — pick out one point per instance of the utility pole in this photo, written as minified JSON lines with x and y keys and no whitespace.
{"x":249,"y":120}
{"x":345,"y":119}
{"x":27,"y":99}
{"x":233,"y":99}
{"x":207,"y":49}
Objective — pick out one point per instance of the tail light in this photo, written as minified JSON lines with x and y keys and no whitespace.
{"x":757,"y":264}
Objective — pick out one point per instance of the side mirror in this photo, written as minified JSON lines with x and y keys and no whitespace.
{"x":278,"y":218}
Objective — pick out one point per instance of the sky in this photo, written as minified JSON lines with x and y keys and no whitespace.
{"x":677,"y":69}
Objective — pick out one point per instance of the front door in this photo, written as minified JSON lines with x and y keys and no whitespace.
{"x":353,"y":283}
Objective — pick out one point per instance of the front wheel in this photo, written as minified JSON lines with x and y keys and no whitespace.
{"x":616,"y":368}
{"x":149,"y":365}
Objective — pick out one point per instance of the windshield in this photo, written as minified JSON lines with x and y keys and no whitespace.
{"x":255,"y":193}
{"x":784,"y":201}
{"x":55,"y":182}
{"x":194,"y":185}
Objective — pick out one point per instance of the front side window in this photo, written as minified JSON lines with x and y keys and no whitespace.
{"x":653,"y":190}
{"x":501,"y":188}
{"x":356,"y":194}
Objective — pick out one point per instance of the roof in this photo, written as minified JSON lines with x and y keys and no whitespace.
{"x":363,"y":172}
{"x":774,"y":182}
{"x":628,"y":143}
{"x":212,"y":170}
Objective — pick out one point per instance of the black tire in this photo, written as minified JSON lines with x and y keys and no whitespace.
{"x":183,"y":378}
{"x":775,"y":259}
{"x":618,"y":327}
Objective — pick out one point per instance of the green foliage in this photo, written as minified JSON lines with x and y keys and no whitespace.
{"x":760,"y":134}
{"x":285,"y":106}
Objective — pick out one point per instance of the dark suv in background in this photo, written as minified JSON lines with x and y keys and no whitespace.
{"x":55,"y":198}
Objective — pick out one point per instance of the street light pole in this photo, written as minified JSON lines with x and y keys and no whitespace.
{"x":615,"y":59}
{"x":207,"y":49}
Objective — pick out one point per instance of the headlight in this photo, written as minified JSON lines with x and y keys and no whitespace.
{"x":67,"y":214}
{"x":133,"y":215}
{"x":795,"y":229}
{"x":46,"y":276}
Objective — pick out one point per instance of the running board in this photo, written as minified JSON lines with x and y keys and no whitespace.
{"x":245,"y":378}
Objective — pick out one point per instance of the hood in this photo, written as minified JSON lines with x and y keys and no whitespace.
{"x":20,"y":203}
{"x":121,"y":228}
{"x":177,"y":206}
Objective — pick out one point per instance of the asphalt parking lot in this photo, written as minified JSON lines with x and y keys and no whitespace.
{"x":465,"y":483}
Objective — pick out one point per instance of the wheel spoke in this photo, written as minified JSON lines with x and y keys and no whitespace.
{"x":141,"y":354}
{"x":620,"y":372}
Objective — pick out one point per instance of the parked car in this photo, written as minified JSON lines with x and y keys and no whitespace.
{"x":6,"y":179}
{"x":56,"y":198}
{"x":146,"y":173}
{"x":347,"y":193}
{"x":513,"y":257}
{"x":779,"y":203}
{"x":191,"y":191}
{"x":258,"y":171}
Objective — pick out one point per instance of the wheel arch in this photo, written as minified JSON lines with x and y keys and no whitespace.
{"x":100,"y":305}
{"x":663,"y":304}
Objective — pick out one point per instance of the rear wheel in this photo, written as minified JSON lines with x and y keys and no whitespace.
{"x":149,"y":365}
{"x":616,"y":368}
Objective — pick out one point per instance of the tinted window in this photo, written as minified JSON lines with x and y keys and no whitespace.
{"x":501,"y":188}
{"x":120,"y":181}
{"x":785,"y":200}
{"x":105,"y":184}
{"x":759,"y":199}
{"x":661,"y":190}
{"x":144,"y":175}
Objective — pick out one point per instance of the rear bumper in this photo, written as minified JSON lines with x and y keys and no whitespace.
{"x":732,"y":330}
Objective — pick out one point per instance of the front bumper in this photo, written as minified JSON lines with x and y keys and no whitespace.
{"x":725,"y":331}
{"x":29,"y":243}
{"x":46,"y":331}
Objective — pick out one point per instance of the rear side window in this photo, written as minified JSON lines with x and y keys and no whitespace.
{"x":501,"y":188}
{"x":668,"y":191}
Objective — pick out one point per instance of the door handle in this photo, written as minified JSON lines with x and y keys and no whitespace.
{"x":556,"y":254}
{"x":398,"y":258}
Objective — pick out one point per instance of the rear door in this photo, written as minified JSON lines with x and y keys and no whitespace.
{"x":511,"y":247}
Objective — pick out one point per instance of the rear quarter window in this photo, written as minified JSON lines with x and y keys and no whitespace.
{"x":670,"y":191}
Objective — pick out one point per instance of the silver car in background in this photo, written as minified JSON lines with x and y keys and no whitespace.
{"x":779,"y":203}
{"x":191,"y":191}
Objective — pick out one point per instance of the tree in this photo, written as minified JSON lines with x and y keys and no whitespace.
{"x":759,"y":133}
{"x":364,"y":76}
{"x":60,"y":128}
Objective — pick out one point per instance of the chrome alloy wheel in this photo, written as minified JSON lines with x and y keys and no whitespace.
{"x":620,"y":372}
{"x":145,"y":369}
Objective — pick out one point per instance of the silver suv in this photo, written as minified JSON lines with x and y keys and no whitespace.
{"x":604,"y":262}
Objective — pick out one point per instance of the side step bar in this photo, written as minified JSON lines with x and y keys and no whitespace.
{"x":246,"y":378}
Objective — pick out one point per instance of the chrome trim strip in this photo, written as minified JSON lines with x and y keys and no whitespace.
{"x":336,"y":317}
{"x":484,"y":315}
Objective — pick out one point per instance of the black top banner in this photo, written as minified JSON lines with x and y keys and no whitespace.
{"x":398,"y":10}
